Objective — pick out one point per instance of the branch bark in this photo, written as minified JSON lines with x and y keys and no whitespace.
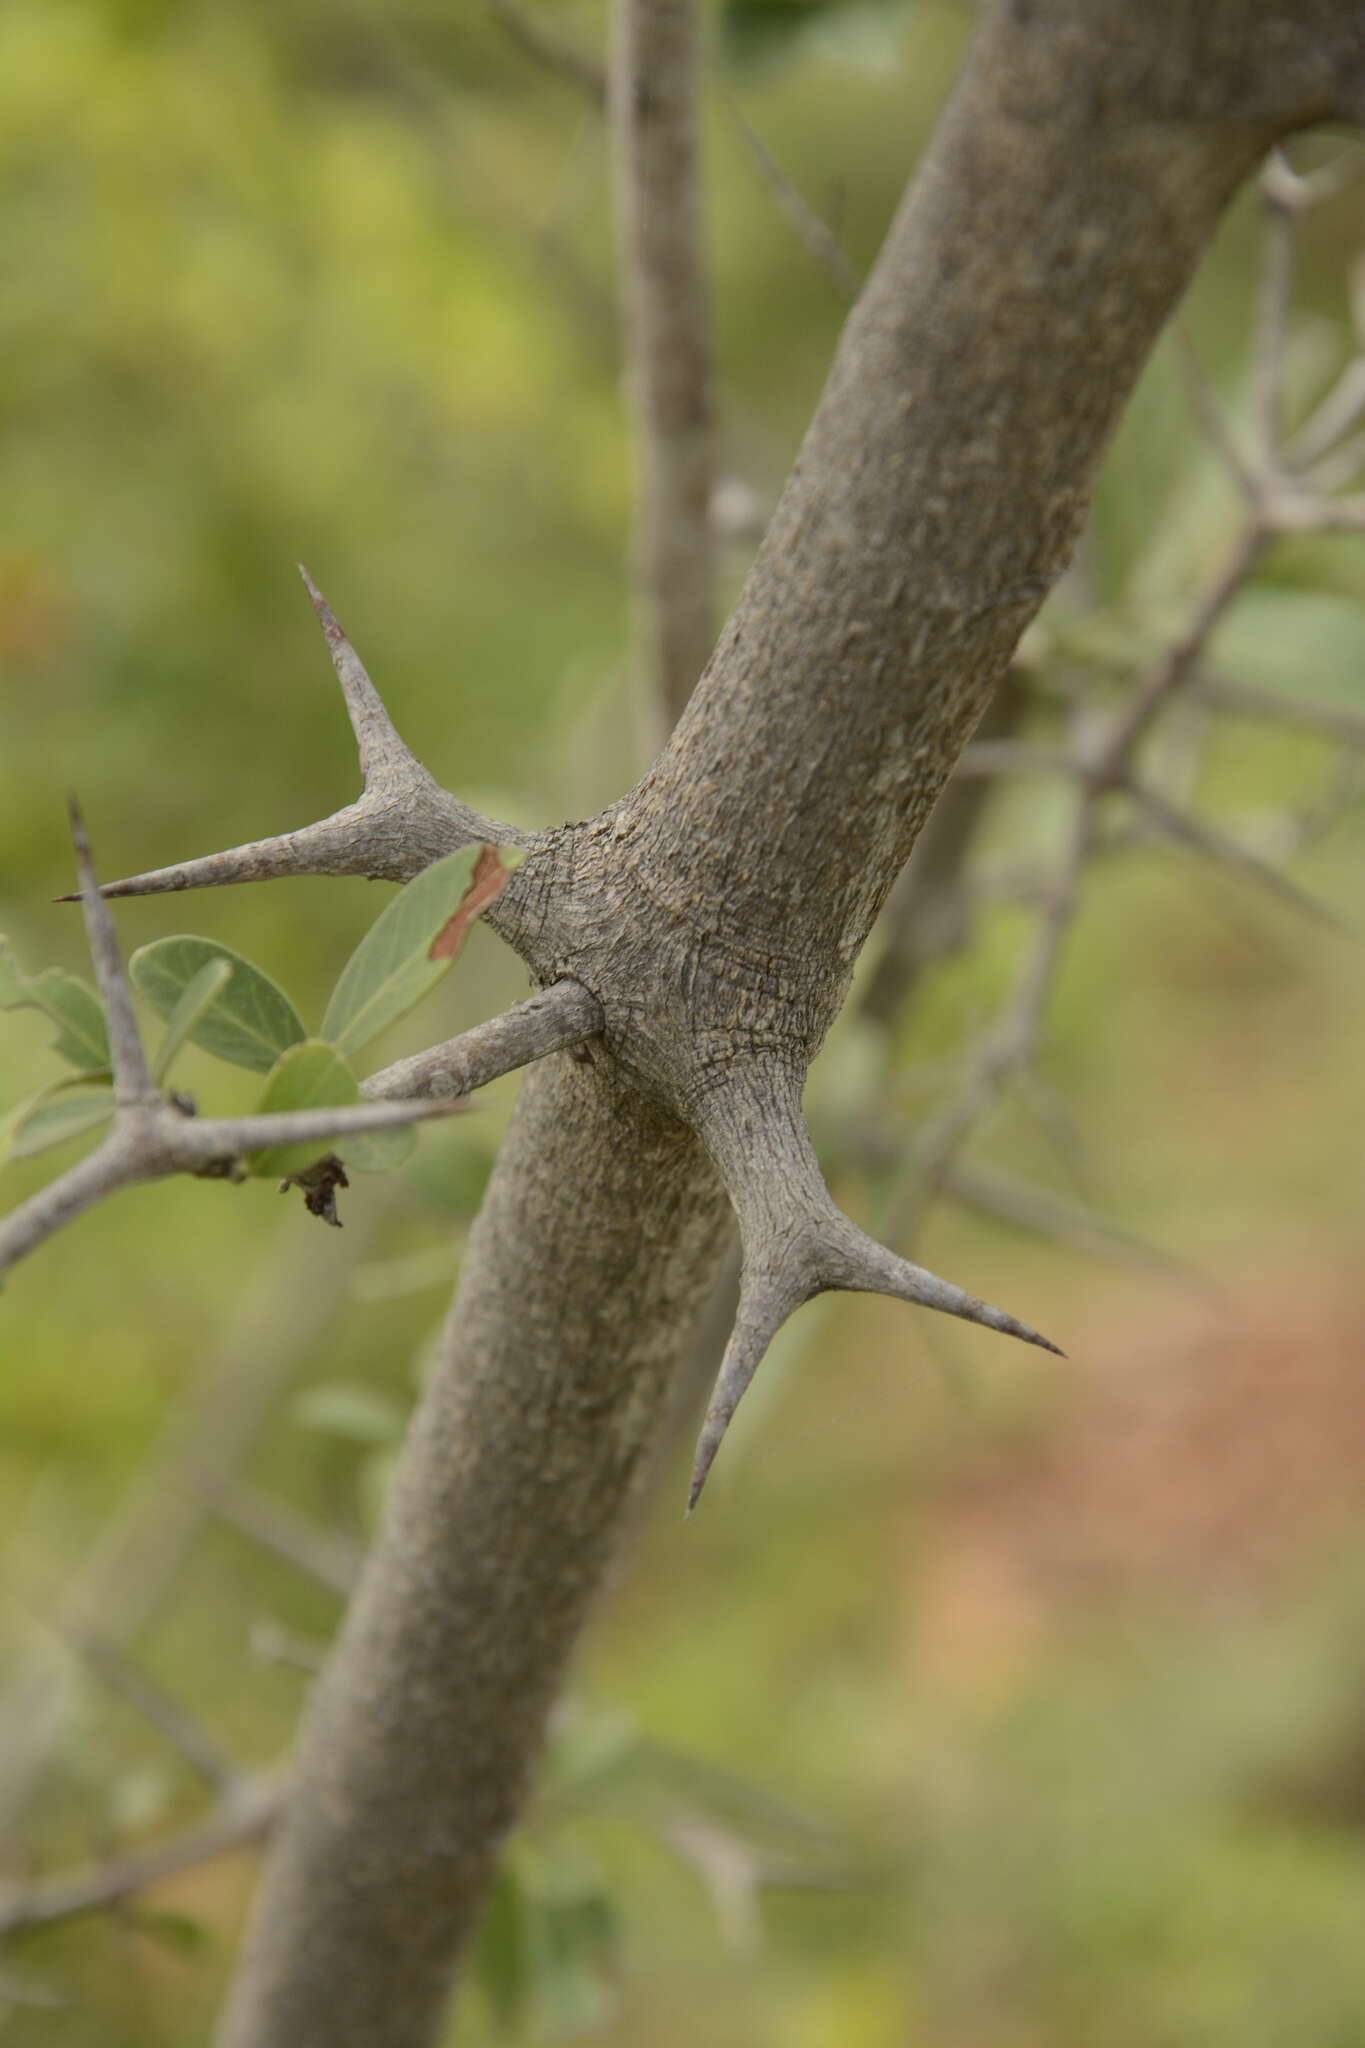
{"x":714,"y":914}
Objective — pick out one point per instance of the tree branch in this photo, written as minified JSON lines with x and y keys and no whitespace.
{"x":562,"y":1015}
{"x":244,"y":1817}
{"x":151,"y":1136}
{"x":652,"y":108}
{"x":715,"y":913}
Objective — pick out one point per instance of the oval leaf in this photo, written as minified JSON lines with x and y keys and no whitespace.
{"x":391,"y":969}
{"x":70,"y":1002}
{"x":197,"y":998}
{"x":51,"y":1122}
{"x":252,"y":1021}
{"x":349,"y":1408}
{"x":313,"y":1075}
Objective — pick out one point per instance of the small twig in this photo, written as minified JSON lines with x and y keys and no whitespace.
{"x":1247,"y":700}
{"x":562,"y":1015}
{"x":665,"y":325}
{"x":1280,"y":194}
{"x":1203,"y":837}
{"x":814,"y":233}
{"x":245,"y":1817}
{"x":1045,"y":1213}
{"x":133,"y":1084}
{"x":554,"y":53}
{"x":272,"y":1643}
{"x":1208,"y":410}
{"x":319,"y":1553}
{"x":151,"y":1137}
{"x":121,"y":1585}
{"x":172,"y":1723}
{"x":1326,"y":427}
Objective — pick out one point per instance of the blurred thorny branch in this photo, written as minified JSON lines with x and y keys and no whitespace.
{"x":1292,"y":475}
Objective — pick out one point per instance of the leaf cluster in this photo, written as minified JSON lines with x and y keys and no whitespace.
{"x":214,"y":998}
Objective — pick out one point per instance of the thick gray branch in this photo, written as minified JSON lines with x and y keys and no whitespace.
{"x":715,"y":914}
{"x":600,"y":1217}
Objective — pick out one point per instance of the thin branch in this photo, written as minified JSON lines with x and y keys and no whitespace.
{"x":1336,"y":414}
{"x":124,"y":1581}
{"x":815,"y":234}
{"x":929,"y":912}
{"x":152,"y":1137}
{"x":1045,"y":1213}
{"x":1297,"y":512}
{"x":242,"y":1819}
{"x":554,"y":53}
{"x":1279,"y":192}
{"x":1247,"y":700}
{"x":177,"y":1728}
{"x":1197,"y":833}
{"x":652,"y":108}
{"x":164,"y":1141}
{"x":562,"y":1015}
{"x":319,"y":1553}
{"x":1208,"y":410}
{"x":110,"y":1167}
{"x":133,"y":1084}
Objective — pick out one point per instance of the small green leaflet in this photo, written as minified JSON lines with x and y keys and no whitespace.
{"x":348,"y":1408}
{"x":250,"y":1022}
{"x":70,"y":1003}
{"x":313,"y":1076}
{"x":391,"y":968}
{"x":55,"y":1117}
{"x":196,"y":998}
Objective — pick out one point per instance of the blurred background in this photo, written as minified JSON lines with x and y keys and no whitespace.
{"x":991,"y":1700}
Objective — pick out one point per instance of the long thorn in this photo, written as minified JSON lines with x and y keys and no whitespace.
{"x":132,"y":1081}
{"x":376,"y":736}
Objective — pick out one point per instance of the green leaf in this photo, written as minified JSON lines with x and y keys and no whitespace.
{"x":196,"y":998}
{"x":501,"y":1961}
{"x":69,"y":1002}
{"x":572,"y":1934}
{"x":175,"y":1931}
{"x":346,"y":1408}
{"x":54,"y":1118}
{"x":313,"y":1075}
{"x":390,"y":969}
{"x":252,"y":1021}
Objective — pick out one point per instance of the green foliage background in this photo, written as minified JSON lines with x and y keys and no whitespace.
{"x":1059,"y":1667}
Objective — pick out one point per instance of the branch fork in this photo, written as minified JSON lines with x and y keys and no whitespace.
{"x":153,"y":1135}
{"x":796,"y":1243}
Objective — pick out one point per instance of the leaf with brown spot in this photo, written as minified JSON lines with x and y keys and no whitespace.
{"x":490,"y":879}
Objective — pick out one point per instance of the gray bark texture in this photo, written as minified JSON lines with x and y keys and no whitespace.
{"x":714,"y":915}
